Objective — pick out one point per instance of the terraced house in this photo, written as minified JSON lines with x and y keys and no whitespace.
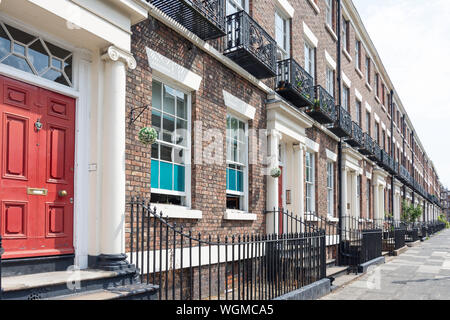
{"x":279,"y":139}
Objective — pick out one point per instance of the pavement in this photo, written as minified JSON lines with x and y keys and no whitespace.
{"x":421,"y":273}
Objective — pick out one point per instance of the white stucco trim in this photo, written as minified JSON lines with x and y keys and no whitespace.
{"x":172,"y":211}
{"x":313,"y":146}
{"x":369,"y":108}
{"x":239,"y":215}
{"x":314,"y":5}
{"x":165,"y":67}
{"x":383,"y":126}
{"x":388,"y":133}
{"x":238,"y":106}
{"x":285,"y":7}
{"x":346,"y":80}
{"x":330,"y":60}
{"x":368,"y":175}
{"x":331,"y":155}
{"x":312,"y":39}
{"x":377,"y":118}
{"x":359,"y":97}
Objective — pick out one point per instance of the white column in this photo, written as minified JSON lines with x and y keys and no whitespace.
{"x":299,"y":181}
{"x":354,"y":204}
{"x":376,"y":200}
{"x":272,"y":183}
{"x":112,"y":225}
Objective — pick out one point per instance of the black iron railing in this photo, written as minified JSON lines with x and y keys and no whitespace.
{"x":393,"y":235}
{"x":342,"y":127}
{"x":367,"y":145}
{"x":294,"y":83}
{"x":189,"y":266}
{"x":323,"y":110}
{"x":205,"y":18}
{"x":376,"y":154}
{"x":356,"y":139}
{"x":250,"y":46}
{"x":385,"y":160}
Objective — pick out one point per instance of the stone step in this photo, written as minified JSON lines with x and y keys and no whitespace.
{"x":138,"y":291}
{"x":49,"y":285}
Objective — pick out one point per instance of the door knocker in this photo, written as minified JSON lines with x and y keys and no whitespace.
{"x":38,"y":125}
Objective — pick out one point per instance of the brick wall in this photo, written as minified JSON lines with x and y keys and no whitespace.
{"x":208,"y":182}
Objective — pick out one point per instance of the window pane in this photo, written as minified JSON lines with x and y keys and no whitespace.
{"x":181,"y":132}
{"x":178,"y":156}
{"x":19,"y":63}
{"x":5,"y":44}
{"x":19,"y":35}
{"x":165,"y":176}
{"x":156,"y":122}
{"x":181,"y":108}
{"x":168,"y":128}
{"x":155,"y":151}
{"x":38,"y":56}
{"x":178,"y":178}
{"x":166,"y":153}
{"x":154,"y":174}
{"x":169,"y":100}
{"x":156,"y":95}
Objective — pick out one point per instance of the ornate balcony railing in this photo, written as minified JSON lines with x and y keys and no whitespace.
{"x":385,"y":160}
{"x":356,"y":139}
{"x":396,"y":168}
{"x":294,"y":83}
{"x":250,"y":46}
{"x":342,"y":127}
{"x":205,"y":18}
{"x":376,"y":155}
{"x":323,"y":109}
{"x":367,"y":146}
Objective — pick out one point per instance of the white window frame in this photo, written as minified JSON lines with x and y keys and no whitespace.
{"x":237,"y":5}
{"x":358,"y":109}
{"x":358,"y":54}
{"x":286,"y":34}
{"x":329,"y":77}
{"x":368,"y":198}
{"x":244,"y":194}
{"x":187,"y":166}
{"x":346,"y":98}
{"x":330,"y":189}
{"x":358,"y":195}
{"x":329,"y":13}
{"x":310,"y":185}
{"x":310,"y":59}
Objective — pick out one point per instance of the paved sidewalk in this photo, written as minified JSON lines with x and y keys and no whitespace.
{"x":421,"y":273}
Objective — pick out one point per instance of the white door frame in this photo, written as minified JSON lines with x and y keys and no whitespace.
{"x":81,"y":93}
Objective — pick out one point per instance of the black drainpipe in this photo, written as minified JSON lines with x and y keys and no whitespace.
{"x":403,"y":155}
{"x":338,"y":49}
{"x":392,"y":150}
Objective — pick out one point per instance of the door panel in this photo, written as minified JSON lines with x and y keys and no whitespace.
{"x":37,"y":146}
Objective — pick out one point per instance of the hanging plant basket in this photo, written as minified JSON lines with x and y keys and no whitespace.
{"x":147,"y":135}
{"x":275,"y":172}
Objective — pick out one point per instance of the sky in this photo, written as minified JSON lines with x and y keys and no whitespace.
{"x":412,"y":38}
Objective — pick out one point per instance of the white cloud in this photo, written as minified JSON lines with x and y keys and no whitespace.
{"x":412,"y":38}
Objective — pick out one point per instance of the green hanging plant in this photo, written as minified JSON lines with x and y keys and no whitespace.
{"x":275,"y":172}
{"x":148,"y":135}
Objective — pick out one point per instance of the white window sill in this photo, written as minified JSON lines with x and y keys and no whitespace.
{"x":239,"y":215}
{"x":369,"y":86}
{"x":347,"y":55}
{"x":176,"y":212}
{"x":359,"y":72}
{"x":331,"y":32}
{"x":314,"y":5}
{"x":379,"y":101}
{"x":332,"y":219}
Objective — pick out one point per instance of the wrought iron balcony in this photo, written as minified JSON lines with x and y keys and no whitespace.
{"x":250,"y":46}
{"x":323,"y":109}
{"x":294,"y":83}
{"x":205,"y":18}
{"x":385,"y":160}
{"x":342,"y":127}
{"x":404,"y":175}
{"x":367,"y":146}
{"x":396,"y":168}
{"x":376,"y":155}
{"x":356,"y":139}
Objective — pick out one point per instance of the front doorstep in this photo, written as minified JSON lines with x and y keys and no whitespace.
{"x":362,"y":268}
{"x":413,"y":244}
{"x":23,"y":266}
{"x":312,"y":291}
{"x":400,"y":251}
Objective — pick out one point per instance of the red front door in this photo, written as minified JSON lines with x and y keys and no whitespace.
{"x":37,"y":139}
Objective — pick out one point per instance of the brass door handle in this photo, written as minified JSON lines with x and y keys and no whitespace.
{"x":62,"y":193}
